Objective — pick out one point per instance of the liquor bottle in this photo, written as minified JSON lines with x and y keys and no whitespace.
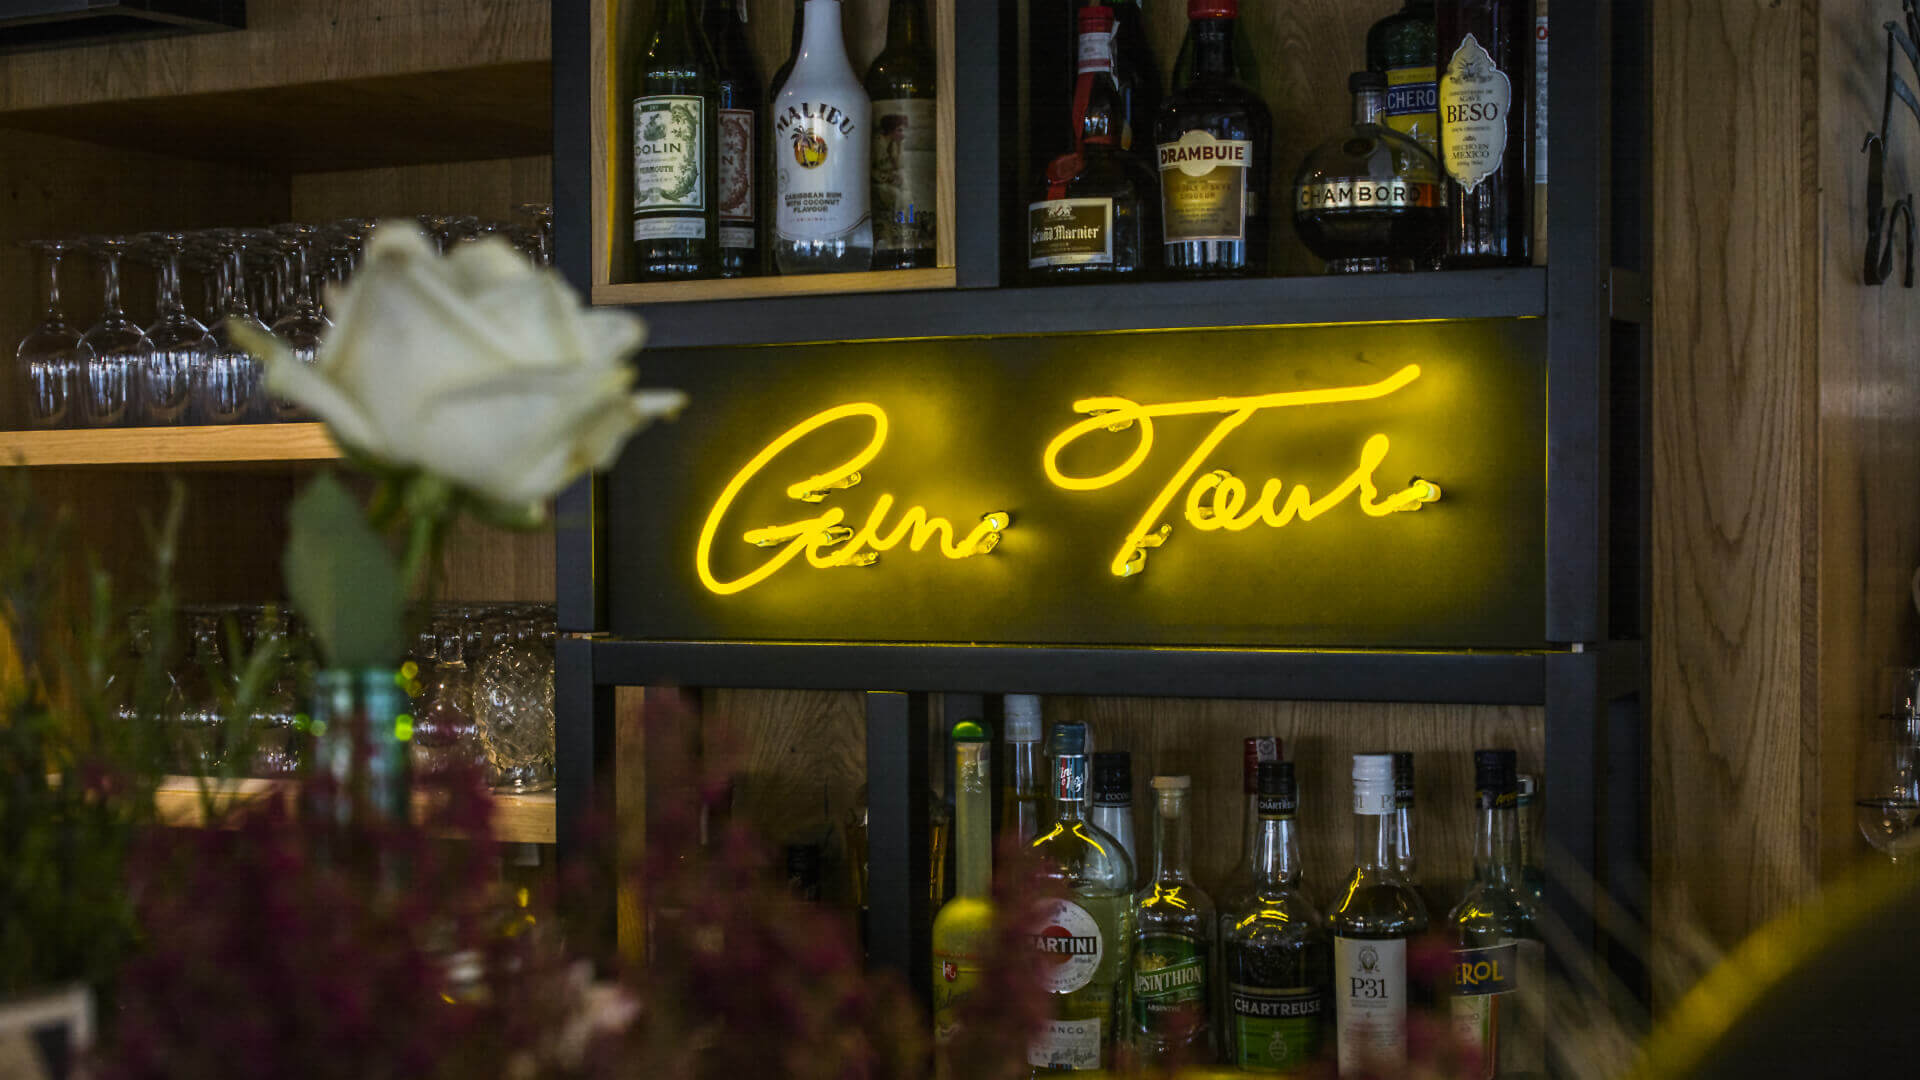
{"x":676,"y":117}
{"x":741,"y":98}
{"x":1276,"y":955}
{"x":1540,"y":38}
{"x":1372,"y":922}
{"x":963,"y":930}
{"x":1214,"y":138}
{"x":1024,"y":797}
{"x":1136,"y":73}
{"x":902,"y":84}
{"x":1403,"y":859}
{"x":1113,"y":801}
{"x":1173,"y":940}
{"x":1499,"y":963}
{"x":1087,"y":932}
{"x":1369,"y":199}
{"x":822,"y":127}
{"x":1534,"y":879}
{"x":1401,"y":47}
{"x":1486,"y":129}
{"x":1254,"y":750}
{"x":1096,"y":213}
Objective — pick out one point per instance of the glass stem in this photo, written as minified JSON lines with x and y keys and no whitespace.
{"x":169,"y":301}
{"x":52,"y":312}
{"x":110,"y":290}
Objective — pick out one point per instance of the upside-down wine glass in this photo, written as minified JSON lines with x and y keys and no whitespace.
{"x":303,"y":325}
{"x":180,"y":343}
{"x":1887,"y":785}
{"x":113,"y":350}
{"x":231,"y":389}
{"x":48,"y":355}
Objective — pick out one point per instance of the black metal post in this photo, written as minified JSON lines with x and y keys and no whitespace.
{"x":583,"y":753}
{"x":984,"y":69}
{"x":899,"y":920}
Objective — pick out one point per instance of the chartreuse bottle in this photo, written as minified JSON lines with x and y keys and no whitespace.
{"x":963,"y":928}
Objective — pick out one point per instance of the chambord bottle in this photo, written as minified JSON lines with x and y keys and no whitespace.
{"x":1499,"y":963}
{"x":1173,"y":941}
{"x":1086,"y":933}
{"x":1377,"y":914}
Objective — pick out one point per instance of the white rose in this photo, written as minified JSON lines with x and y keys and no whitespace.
{"x":476,"y":367}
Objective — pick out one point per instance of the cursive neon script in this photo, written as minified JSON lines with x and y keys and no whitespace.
{"x":824,"y":538}
{"x":1218,"y":500}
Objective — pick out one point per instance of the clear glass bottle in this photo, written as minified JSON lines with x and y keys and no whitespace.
{"x":963,"y":929}
{"x":822,"y":138}
{"x":1113,"y":801}
{"x":1370,"y":199}
{"x":1401,"y":47}
{"x":1215,"y":143}
{"x":1526,"y":814}
{"x":675,"y":144}
{"x":741,"y":97}
{"x":1276,"y":954}
{"x":1499,"y":963}
{"x":1173,"y":940}
{"x":1403,"y":792}
{"x":1377,"y":914}
{"x":902,"y":85}
{"x":1023,"y":805}
{"x":1255,"y":749}
{"x":1087,"y":933}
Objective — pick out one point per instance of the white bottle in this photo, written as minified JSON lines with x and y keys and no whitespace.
{"x":822,"y":149}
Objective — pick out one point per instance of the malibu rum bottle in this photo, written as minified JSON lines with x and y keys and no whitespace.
{"x":963,"y":930}
{"x":1375,"y":917}
{"x":1499,"y":963}
{"x":905,"y":147}
{"x":1214,"y":138}
{"x":676,"y":116}
{"x":1086,"y":936}
{"x":1173,"y":940}
{"x":821,"y":125}
{"x":741,"y":98}
{"x":1486,"y":129}
{"x":1276,"y":956}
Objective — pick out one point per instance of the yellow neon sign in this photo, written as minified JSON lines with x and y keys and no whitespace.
{"x":1218,"y":500}
{"x":824,"y":539}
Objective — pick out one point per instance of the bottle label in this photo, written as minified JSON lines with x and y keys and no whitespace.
{"x":1276,"y":807}
{"x":1096,"y":51}
{"x":1475,"y":98}
{"x":736,"y":175}
{"x":1413,"y":105}
{"x":1070,"y":945}
{"x":1540,"y":100}
{"x":1169,"y":984}
{"x":1066,"y":1044}
{"x":822,"y":151}
{"x":1254,"y":751}
{"x":1373,"y":799}
{"x":1489,"y":1023}
{"x":1276,"y":1030}
{"x":1203,"y":188}
{"x":1370,"y":1005}
{"x":1071,"y":784}
{"x":668,"y":157}
{"x":1359,"y":193}
{"x":1070,"y":232}
{"x":904,"y":172}
{"x":954,"y":979}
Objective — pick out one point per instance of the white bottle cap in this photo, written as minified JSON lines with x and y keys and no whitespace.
{"x":1373,"y":784}
{"x":1023,"y":718}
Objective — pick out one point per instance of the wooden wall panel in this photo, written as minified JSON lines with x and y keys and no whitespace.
{"x":488,"y":189}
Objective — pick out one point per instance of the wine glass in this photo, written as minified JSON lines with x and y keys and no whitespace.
{"x":47,"y":358}
{"x":180,"y":343}
{"x":114,"y":350}
{"x":303,"y":324}
{"x":1887,"y":786}
{"x":230,"y":380}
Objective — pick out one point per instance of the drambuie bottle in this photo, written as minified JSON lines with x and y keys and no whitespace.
{"x":1214,"y":138}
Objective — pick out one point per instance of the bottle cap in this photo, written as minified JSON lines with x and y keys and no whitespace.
{"x":1277,"y":794}
{"x":969,"y":731}
{"x":1403,"y":779}
{"x":1113,"y":778}
{"x":1172,"y":783}
{"x":1529,"y":787}
{"x":1373,"y":784}
{"x":1494,"y":773}
{"x":1069,"y":737}
{"x":1022,"y":716}
{"x":1213,"y":9}
{"x":1366,"y":80}
{"x":1256,"y":749}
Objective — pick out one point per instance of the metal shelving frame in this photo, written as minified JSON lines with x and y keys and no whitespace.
{"x":1592,"y":678}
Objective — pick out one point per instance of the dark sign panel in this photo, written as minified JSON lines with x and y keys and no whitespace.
{"x":1364,"y":486}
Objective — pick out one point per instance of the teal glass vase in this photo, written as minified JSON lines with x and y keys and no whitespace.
{"x":360,"y":769}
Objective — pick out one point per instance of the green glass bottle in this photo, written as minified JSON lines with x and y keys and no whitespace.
{"x":1276,"y":954}
{"x":1086,"y":933}
{"x":963,"y":930}
{"x":906,"y":166}
{"x":1215,"y":143}
{"x":676,"y":156}
{"x":742,"y":98}
{"x":1378,"y":913}
{"x":1173,"y":940}
{"x":1499,"y":963}
{"x":1402,"y":47}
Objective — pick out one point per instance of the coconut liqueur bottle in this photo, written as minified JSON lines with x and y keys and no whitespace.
{"x":1499,"y":963}
{"x":676,"y":116}
{"x":822,"y":150}
{"x":905,"y":150}
{"x":963,"y":929}
{"x":1377,"y":914}
{"x":1173,"y":940}
{"x":1113,"y":801}
{"x":1086,"y":935}
{"x":1276,"y":956}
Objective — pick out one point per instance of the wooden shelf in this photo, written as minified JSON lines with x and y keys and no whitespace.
{"x":763,"y":288}
{"x":241,"y":444}
{"x":517,"y":819}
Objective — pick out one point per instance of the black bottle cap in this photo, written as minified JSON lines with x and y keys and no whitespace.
{"x":1277,"y":794}
{"x":1113,"y":778}
{"x":1496,"y":772}
{"x":1365,"y":80}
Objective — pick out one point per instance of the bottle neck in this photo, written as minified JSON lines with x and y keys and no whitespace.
{"x":1096,"y":96}
{"x":1070,"y":788}
{"x":1496,"y":843}
{"x":1369,"y":106}
{"x":907,"y":27}
{"x":1375,"y":840}
{"x":1276,"y":851}
{"x":973,"y":853}
{"x":1172,"y":838}
{"x":1213,"y":49}
{"x":1403,"y":860}
{"x":821,"y":38}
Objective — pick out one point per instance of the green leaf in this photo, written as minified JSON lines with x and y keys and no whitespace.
{"x":343,"y":579}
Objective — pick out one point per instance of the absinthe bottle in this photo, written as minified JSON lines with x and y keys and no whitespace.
{"x":1377,"y":914}
{"x":676,"y":225}
{"x":741,"y":98}
{"x":1173,"y":941}
{"x":1086,"y":932}
{"x":1276,"y":955}
{"x":902,"y":83}
{"x":962,"y":931}
{"x":1499,"y":963}
{"x":822,"y":129}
